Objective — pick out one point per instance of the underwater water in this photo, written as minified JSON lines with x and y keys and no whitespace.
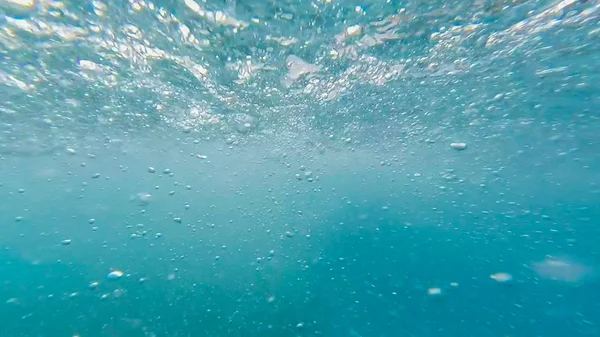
{"x":336,"y":168}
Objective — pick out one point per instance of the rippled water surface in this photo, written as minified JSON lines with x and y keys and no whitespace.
{"x":338,"y":168}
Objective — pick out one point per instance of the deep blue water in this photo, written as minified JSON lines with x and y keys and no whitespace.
{"x":290,"y":168}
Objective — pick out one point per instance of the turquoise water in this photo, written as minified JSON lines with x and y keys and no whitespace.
{"x":295,"y":168}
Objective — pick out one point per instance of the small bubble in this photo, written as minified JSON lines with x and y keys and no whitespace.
{"x":151,"y":169}
{"x":434,"y":291}
{"x":65,"y":242}
{"x":501,"y":277}
{"x":143,"y":198}
{"x":458,"y":146}
{"x":114,"y":275}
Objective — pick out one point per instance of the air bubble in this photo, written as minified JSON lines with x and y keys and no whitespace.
{"x":459,"y":146}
